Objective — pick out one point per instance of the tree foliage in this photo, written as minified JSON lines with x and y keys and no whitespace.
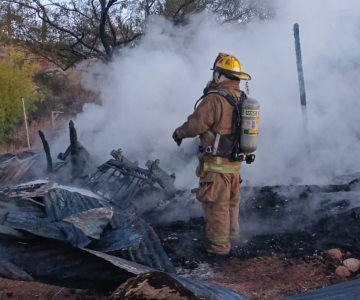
{"x":67,"y":31}
{"x":16,"y":81}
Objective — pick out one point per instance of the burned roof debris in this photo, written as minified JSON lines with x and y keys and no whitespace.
{"x":82,"y":221}
{"x":17,"y":168}
{"x":75,"y":235}
{"x":98,"y":234}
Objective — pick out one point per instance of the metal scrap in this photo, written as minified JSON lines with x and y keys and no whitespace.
{"x":82,"y":221}
{"x":121,"y":180}
{"x":17,"y":168}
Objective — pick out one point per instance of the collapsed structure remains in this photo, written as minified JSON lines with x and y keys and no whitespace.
{"x":99,"y":235}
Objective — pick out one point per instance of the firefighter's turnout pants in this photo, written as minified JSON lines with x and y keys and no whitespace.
{"x":219,"y":193}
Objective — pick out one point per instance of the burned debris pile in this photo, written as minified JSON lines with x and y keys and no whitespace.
{"x":45,"y":213}
{"x":100,"y":234}
{"x":71,"y":236}
{"x":120,"y":180}
{"x":291,"y":220}
{"x":71,"y":239}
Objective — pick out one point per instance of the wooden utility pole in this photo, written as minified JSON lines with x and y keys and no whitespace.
{"x":26,"y":124}
{"x":54,"y":114}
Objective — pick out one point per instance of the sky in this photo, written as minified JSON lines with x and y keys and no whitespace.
{"x":148,"y":91}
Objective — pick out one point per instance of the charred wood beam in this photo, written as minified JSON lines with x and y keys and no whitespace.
{"x":73,"y":150}
{"x":62,"y":156}
{"x":47,"y":152}
{"x":73,"y":138}
{"x":158,"y":175}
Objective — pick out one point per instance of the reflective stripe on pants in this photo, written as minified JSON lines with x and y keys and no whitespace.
{"x":220,"y":201}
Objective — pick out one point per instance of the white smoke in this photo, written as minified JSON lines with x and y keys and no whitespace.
{"x":148,"y":91}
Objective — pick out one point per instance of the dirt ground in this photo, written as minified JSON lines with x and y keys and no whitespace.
{"x":261,"y":278}
{"x":270,"y":278}
{"x":12,"y":289}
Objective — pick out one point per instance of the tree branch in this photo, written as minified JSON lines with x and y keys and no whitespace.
{"x":112,"y":30}
{"x":102,"y":27}
{"x":127,"y":41}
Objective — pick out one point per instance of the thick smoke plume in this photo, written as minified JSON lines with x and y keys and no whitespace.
{"x":148,"y":91}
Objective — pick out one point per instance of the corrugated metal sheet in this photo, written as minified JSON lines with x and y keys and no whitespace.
{"x":148,"y":249}
{"x":131,"y":267}
{"x":31,"y":190}
{"x":91,"y":222}
{"x":6,"y":156}
{"x":208,"y":291}
{"x":61,"y":203}
{"x":57,"y":263}
{"x":13,"y":272}
{"x":22,"y":155}
{"x":37,"y":226}
{"x":83,"y":221}
{"x":16,"y":169}
{"x":349,"y":290}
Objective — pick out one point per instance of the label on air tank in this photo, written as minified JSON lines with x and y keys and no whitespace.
{"x":252,"y":113}
{"x":249,"y":124}
{"x":250,"y":121}
{"x":250,"y":131}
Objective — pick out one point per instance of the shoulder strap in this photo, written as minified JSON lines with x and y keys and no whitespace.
{"x":224,"y":94}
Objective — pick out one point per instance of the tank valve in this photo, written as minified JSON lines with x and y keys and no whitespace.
{"x":249,"y":158}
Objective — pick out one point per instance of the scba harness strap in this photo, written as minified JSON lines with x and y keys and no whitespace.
{"x":226,"y":145}
{"x":222,"y":93}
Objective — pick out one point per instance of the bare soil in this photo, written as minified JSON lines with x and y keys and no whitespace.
{"x":274,"y":277}
{"x":260,"y":278}
{"x":12,"y":289}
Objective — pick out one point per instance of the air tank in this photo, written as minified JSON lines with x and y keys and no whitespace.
{"x":249,"y":125}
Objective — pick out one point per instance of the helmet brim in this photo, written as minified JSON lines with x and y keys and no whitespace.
{"x":239,"y":75}
{"x":242,"y":75}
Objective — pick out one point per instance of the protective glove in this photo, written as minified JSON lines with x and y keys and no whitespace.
{"x":176,"y":138}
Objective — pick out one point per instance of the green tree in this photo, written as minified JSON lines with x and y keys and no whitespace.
{"x":16,"y":81}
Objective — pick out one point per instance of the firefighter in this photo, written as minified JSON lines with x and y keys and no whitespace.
{"x":219,"y":174}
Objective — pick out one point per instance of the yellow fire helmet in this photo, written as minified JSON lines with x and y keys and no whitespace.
{"x":229,"y":65}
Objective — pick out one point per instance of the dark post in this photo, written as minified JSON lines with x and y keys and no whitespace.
{"x":300,"y":69}
{"x":300,"y":72}
{"x":73,"y":138}
{"x":47,"y":152}
{"x":73,"y":150}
